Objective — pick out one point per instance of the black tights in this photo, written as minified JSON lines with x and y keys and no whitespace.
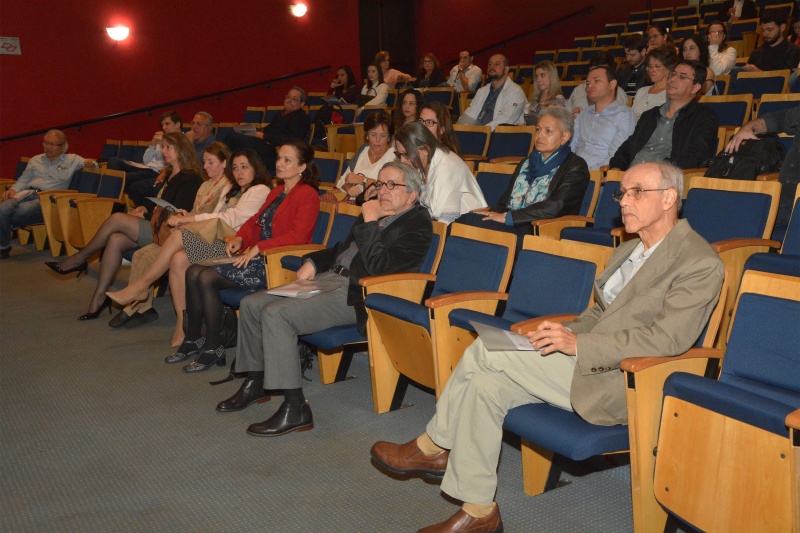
{"x":203,"y":303}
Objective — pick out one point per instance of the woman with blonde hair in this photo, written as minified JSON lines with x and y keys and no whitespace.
{"x":546,"y":92}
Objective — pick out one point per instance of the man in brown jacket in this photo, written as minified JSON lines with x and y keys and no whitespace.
{"x":653,"y":299}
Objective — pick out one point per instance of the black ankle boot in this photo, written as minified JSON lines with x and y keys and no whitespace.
{"x":251,"y":391}
{"x":290,"y":417}
{"x":206,"y":359}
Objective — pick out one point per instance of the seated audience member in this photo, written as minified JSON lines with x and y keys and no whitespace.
{"x":362,"y":170}
{"x":448,"y":187}
{"x":465,"y":76}
{"x":795,"y":37}
{"x":658,"y":36}
{"x":290,"y":125}
{"x":247,"y":185}
{"x":287,"y":217}
{"x":374,"y":91}
{"x":202,"y":133}
{"x":693,"y":49}
{"x":660,"y":62}
{"x":732,"y":10}
{"x":406,"y":108}
{"x":578,"y":100}
{"x":786,"y":121}
{"x":152,"y":162}
{"x":546,"y":92}
{"x":550,"y":183}
{"x":654,"y":297}
{"x":436,"y":117}
{"x":430,"y":73}
{"x":776,"y":53}
{"x":45,"y":172}
{"x":721,"y":55}
{"x":122,"y":232}
{"x":606,"y":124}
{"x":393,"y":78}
{"x":680,"y":131}
{"x":501,"y":101}
{"x":631,"y":75}
{"x":392,"y":235}
{"x":344,"y":87}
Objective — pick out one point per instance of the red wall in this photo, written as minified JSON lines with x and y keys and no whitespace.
{"x":70,"y":70}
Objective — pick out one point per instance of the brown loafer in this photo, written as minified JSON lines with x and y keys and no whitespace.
{"x":463,"y":522}
{"x":409,"y":459}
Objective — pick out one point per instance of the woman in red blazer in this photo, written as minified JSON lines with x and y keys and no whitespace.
{"x":288,"y":217}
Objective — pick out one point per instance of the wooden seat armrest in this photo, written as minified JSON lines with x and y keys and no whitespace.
{"x":294,"y":249}
{"x":637,"y":364}
{"x":507,"y":159}
{"x":769,"y":176}
{"x":372,"y":281}
{"x":532,"y":323}
{"x":696,"y":170}
{"x":793,"y":419}
{"x":456,"y":298}
{"x":71,"y":194}
{"x":94,"y":199}
{"x":565,"y":218}
{"x":472,"y":157}
{"x":605,"y":168}
{"x":409,"y":286}
{"x":622,"y":234}
{"x":731,"y":244}
{"x":56,"y":191}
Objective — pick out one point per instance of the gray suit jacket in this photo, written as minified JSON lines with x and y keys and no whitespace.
{"x":660,"y":312}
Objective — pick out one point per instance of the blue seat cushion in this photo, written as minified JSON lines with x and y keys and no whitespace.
{"x":332,"y":338}
{"x":292,"y":262}
{"x":750,"y":402}
{"x":460,"y":318}
{"x":399,"y":308}
{"x":564,"y":432}
{"x":788,"y":265}
{"x":232,"y":297}
{"x":599,"y":236}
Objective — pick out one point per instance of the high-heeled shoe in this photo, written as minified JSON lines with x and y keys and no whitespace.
{"x":125,"y":300}
{"x":95,"y":314}
{"x":80,"y":269}
{"x":205,"y":360}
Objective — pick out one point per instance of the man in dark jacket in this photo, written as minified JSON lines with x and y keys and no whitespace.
{"x":392,"y":235}
{"x":680,"y":131}
{"x":732,"y":10}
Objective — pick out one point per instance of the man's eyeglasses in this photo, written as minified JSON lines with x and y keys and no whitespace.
{"x":428,"y":122}
{"x":634,"y":193}
{"x":200,"y":124}
{"x":52,"y":145}
{"x":682,"y":76}
{"x":388,"y":184}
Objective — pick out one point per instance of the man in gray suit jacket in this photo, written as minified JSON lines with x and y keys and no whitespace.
{"x":653,"y":299}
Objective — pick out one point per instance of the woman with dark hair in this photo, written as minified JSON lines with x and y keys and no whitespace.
{"x":392,"y":77}
{"x":449,"y":189}
{"x":374,"y":91}
{"x":406,"y":109}
{"x":693,"y":49}
{"x":362,"y":170}
{"x":180,"y":182}
{"x":198,"y":239}
{"x":430,"y":72}
{"x":436,"y":117}
{"x":660,"y":62}
{"x":287,"y":217}
{"x":344,"y":87}
{"x":658,"y":36}
{"x":721,"y":55}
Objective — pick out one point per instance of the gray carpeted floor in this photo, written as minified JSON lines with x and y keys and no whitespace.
{"x":98,"y":434}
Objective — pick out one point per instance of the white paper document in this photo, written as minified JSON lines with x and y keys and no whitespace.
{"x":496,"y":339}
{"x":302,"y":289}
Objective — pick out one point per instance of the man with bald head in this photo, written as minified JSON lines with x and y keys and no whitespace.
{"x":51,"y":170}
{"x":653,"y":299}
{"x":500,"y":102}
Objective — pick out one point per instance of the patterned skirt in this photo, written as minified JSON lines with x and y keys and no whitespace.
{"x":198,"y":250}
{"x":253,"y":277}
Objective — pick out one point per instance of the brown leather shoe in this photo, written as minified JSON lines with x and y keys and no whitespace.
{"x":409,"y":459}
{"x":463,"y":522}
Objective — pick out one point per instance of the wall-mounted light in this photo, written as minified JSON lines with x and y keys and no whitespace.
{"x":298,"y":10}
{"x":118,"y":33}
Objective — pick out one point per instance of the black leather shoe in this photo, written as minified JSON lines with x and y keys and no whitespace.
{"x":119,"y":320}
{"x":206,"y":359}
{"x":288,"y":418}
{"x":251,"y":391}
{"x":54,"y":266}
{"x":140,"y":319}
{"x":95,"y":314}
{"x":186,"y":350}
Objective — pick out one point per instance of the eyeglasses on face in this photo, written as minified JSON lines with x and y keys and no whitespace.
{"x":634,"y":193}
{"x":390,"y":185}
{"x":680,"y":75}
{"x":52,"y":145}
{"x":400,"y":155}
{"x":200,"y":124}
{"x":427,"y":121}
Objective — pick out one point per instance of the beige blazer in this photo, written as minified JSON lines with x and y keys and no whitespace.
{"x":660,"y":312}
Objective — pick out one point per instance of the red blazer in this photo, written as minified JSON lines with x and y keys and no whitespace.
{"x":292,"y":223}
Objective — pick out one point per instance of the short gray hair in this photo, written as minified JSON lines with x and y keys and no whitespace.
{"x":207,"y":116}
{"x":63,"y":136}
{"x":301,"y":91}
{"x":411,"y":176}
{"x":562,"y":115}
{"x":671,"y":178}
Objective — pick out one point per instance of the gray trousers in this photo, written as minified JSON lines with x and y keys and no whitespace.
{"x":470,"y":412}
{"x":269,"y":326}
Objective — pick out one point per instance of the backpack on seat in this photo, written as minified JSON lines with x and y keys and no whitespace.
{"x":754,"y":157}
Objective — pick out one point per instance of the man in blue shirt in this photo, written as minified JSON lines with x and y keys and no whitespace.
{"x":51,"y":170}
